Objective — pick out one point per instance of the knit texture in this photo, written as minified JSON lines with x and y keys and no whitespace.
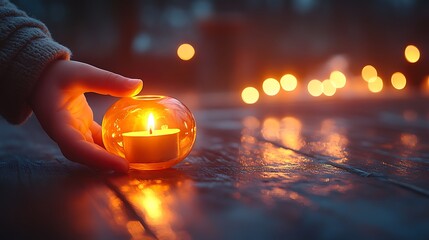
{"x":26,"y":49}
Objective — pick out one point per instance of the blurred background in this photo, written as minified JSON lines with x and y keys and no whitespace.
{"x":243,"y":42}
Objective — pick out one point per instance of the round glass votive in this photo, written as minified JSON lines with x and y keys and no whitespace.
{"x":152,"y":132}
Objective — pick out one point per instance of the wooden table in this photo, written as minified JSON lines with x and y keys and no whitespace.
{"x":352,"y":169}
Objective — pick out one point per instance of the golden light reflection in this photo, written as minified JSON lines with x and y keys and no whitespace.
{"x":412,"y":53}
{"x":135,"y":229}
{"x":288,"y":82}
{"x":152,"y":204}
{"x":409,"y":140}
{"x":398,"y":80}
{"x":271,"y":86}
{"x":328,"y":88}
{"x":369,"y":73}
{"x":290,"y":133}
{"x":251,"y":123}
{"x":315,"y":88}
{"x":334,"y":141}
{"x":376,"y":85}
{"x":157,"y":201}
{"x":338,"y":79}
{"x":271,"y":195}
{"x":251,"y":126}
{"x":271,"y":129}
{"x":185,"y":51}
{"x":250,"y":95}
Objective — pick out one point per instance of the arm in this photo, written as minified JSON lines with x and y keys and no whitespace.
{"x":36,"y":74}
{"x":26,"y":49}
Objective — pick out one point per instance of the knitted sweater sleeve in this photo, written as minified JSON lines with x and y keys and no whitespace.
{"x":26,"y":49}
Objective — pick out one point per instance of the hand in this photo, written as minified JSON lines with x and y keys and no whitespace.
{"x":60,"y":106}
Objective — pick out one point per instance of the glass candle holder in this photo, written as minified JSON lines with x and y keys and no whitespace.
{"x":151,"y":132}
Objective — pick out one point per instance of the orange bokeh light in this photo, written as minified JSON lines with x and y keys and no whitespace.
{"x":185,"y":51}
{"x":338,"y":79}
{"x":369,"y":73}
{"x":271,"y":86}
{"x":328,"y":88}
{"x":315,"y":88}
{"x":288,"y":82}
{"x":375,"y":85}
{"x":250,"y":95}
{"x":398,"y":80}
{"x":412,"y":53}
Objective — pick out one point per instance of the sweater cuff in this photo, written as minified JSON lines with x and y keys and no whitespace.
{"x":28,"y":67}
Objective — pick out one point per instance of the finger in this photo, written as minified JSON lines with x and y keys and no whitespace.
{"x":76,"y":149}
{"x":96,"y":134}
{"x":93,"y":156}
{"x":92,"y":79}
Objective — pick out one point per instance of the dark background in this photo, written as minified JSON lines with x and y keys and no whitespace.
{"x":238,"y":43}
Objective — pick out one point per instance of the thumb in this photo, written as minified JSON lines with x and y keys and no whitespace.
{"x":93,"y":79}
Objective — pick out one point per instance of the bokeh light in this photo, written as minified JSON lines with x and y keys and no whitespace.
{"x":369,"y":73}
{"x":250,"y":95}
{"x":271,"y":86}
{"x":338,"y":79}
{"x":398,"y":80}
{"x":185,"y":51}
{"x":328,"y":88}
{"x":375,"y":85}
{"x":315,"y":88}
{"x":412,"y":53}
{"x":288,"y":82}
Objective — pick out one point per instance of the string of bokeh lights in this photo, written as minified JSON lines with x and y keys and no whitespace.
{"x":336,"y":81}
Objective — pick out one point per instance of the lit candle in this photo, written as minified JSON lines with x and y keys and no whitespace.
{"x":151,"y":146}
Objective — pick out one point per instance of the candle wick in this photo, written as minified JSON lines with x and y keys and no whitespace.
{"x":150,"y":130}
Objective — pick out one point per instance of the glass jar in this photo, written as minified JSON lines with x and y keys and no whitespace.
{"x":152,"y":132}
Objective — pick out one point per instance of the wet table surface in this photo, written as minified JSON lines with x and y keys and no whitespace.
{"x":350,"y":169}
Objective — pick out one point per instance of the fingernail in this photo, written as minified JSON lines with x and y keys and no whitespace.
{"x":133,"y":82}
{"x":137,"y":84}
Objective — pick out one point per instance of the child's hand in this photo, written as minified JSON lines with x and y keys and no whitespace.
{"x":59,"y":104}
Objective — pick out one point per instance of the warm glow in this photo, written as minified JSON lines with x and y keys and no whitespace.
{"x":315,"y":88}
{"x":376,"y":85}
{"x":328,"y":88}
{"x":398,"y":80}
{"x":338,"y":79}
{"x":288,"y":82}
{"x":185,"y":51}
{"x":151,"y":123}
{"x":271,"y":86}
{"x":427,"y":81}
{"x":271,"y":129}
{"x":152,"y":204}
{"x":290,"y":132}
{"x":250,"y":95}
{"x":409,"y":140}
{"x":412,"y":53}
{"x":369,"y":73}
{"x":135,"y":229}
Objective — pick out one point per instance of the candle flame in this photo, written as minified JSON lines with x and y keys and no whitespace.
{"x":151,"y":123}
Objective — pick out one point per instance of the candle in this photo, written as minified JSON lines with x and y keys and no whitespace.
{"x":151,"y":146}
